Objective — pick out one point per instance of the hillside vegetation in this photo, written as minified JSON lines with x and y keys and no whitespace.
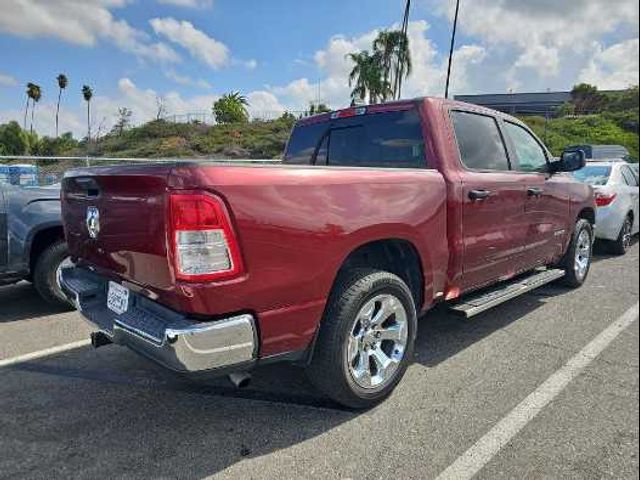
{"x":615,"y":122}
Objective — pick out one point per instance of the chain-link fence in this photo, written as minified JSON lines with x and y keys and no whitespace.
{"x":32,"y":171}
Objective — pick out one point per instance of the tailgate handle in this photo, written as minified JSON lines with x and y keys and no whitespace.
{"x":89,"y":186}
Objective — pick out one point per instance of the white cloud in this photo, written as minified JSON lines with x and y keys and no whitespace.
{"x":187,"y":3}
{"x":428,"y":77}
{"x":201,"y":46}
{"x":615,"y":67}
{"x":263,"y":104}
{"x":7,"y":80}
{"x":187,"y":81}
{"x":549,"y":38}
{"x":80,"y":22}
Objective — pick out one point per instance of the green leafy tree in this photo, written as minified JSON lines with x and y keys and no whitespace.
{"x":231,"y":108}
{"x":13,"y":139}
{"x":587,"y":99}
{"x":87,"y":94}
{"x":63,"y":81}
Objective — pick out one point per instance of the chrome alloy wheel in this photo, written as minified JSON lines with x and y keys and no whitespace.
{"x":377,"y":342}
{"x":583,"y":254}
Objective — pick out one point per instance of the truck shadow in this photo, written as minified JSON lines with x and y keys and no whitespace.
{"x":22,"y":302}
{"x":110,"y":414}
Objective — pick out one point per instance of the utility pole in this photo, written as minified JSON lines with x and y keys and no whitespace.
{"x":453,"y":44}
{"x":405,"y":28}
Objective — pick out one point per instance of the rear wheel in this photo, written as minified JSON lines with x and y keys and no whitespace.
{"x":366,"y":339}
{"x":45,"y":275}
{"x":623,"y":242}
{"x":577,"y":260}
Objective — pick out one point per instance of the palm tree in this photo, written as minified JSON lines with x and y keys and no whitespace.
{"x":396,"y":63}
{"x":30,"y":92}
{"x":87,"y":93}
{"x":367,"y":77}
{"x":36,"y":95}
{"x":231,"y":108}
{"x":62,"y":84}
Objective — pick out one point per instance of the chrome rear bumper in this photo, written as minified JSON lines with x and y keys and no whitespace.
{"x":165,"y":336}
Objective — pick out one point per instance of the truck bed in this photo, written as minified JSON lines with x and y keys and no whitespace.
{"x":295,"y":226}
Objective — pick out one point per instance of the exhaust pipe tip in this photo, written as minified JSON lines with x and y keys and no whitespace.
{"x":99,"y":339}
{"x":240,"y":380}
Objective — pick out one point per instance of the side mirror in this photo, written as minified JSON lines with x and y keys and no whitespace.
{"x":570,"y":161}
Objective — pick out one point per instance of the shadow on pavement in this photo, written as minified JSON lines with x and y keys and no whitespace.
{"x":111,"y":414}
{"x":22,"y":302}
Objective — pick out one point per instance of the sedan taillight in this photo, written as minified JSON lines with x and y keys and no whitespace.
{"x":605,"y":199}
{"x":205,"y":247}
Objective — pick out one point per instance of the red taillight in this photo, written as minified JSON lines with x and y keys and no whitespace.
{"x":204,"y":245}
{"x":605,"y":199}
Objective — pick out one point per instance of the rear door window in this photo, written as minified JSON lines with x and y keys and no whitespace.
{"x":531,"y":155}
{"x":480,"y":142}
{"x":386,"y":140}
{"x":629,"y":177}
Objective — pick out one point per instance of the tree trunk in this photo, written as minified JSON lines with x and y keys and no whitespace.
{"x":58,"y":110}
{"x":33,"y":111}
{"x":26,"y":111}
{"x":88,"y":122}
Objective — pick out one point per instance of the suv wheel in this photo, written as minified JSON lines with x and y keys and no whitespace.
{"x":45,"y":275}
{"x":366,"y":338}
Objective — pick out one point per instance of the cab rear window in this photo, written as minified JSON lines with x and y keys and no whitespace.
{"x":387,"y":140}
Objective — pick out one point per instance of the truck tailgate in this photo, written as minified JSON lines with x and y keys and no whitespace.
{"x":115,"y":220}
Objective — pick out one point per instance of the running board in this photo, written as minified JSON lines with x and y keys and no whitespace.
{"x":474,"y":304}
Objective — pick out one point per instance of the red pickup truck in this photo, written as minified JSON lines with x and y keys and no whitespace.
{"x":327,"y":260}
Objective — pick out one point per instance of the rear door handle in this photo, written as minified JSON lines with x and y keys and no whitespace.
{"x":479,"y":194}
{"x":535,"y":192}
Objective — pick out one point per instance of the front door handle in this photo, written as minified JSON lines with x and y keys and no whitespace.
{"x":535,"y":192}
{"x":479,"y":194}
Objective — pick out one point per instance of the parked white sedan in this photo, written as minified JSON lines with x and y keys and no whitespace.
{"x":617,"y":193}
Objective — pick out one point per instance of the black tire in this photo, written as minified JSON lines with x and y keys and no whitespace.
{"x":44,"y":273}
{"x":621,"y":245}
{"x":328,"y":369}
{"x":573,"y":278}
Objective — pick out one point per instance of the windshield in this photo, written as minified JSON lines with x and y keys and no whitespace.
{"x":389,"y":139}
{"x":594,"y":174}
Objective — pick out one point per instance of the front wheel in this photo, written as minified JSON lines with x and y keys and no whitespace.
{"x":577,"y":260}
{"x":366,"y":338}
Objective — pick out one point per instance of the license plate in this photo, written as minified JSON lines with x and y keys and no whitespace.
{"x":117,"y":298}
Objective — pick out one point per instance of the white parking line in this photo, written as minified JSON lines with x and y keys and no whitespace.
{"x":44,"y":353}
{"x":481,"y":453}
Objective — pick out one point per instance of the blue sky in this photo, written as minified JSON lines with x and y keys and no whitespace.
{"x":284,"y":54}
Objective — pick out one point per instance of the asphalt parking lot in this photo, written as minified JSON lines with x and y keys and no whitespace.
{"x":107,"y":413}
